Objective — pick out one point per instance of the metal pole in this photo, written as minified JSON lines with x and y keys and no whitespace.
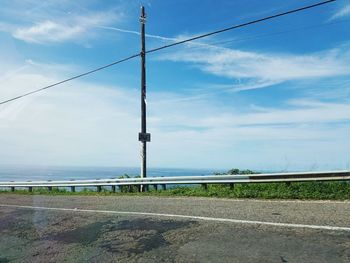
{"x":144,"y":137}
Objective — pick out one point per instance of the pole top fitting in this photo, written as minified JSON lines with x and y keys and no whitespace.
{"x":143,"y":15}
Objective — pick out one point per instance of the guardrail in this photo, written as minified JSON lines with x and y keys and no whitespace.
{"x":188,"y":180}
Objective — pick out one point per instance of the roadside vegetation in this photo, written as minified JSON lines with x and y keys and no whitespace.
{"x":295,"y":190}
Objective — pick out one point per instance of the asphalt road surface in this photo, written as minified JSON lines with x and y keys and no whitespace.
{"x":161,"y":229}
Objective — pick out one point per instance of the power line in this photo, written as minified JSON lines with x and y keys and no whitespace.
{"x":171,"y":45}
{"x":240,"y":25}
{"x":69,"y":79}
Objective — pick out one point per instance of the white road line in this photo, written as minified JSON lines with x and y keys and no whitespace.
{"x":221,"y":199}
{"x":204,"y":218}
{"x":346,"y":202}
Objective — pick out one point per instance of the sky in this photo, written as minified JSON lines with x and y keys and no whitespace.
{"x":270,"y":96}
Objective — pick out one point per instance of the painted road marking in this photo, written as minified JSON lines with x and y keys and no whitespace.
{"x":344,"y":202}
{"x":202,"y":218}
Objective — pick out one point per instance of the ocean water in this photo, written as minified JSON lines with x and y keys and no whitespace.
{"x":34,"y":173}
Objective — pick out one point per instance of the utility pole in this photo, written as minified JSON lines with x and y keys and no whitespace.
{"x":144,"y":137}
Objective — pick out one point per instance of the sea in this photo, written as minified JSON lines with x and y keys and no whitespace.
{"x":34,"y":173}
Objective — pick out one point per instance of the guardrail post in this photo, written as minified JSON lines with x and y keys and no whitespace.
{"x":139,"y":188}
{"x":129,"y":188}
{"x":12,"y":188}
{"x":72,"y":188}
{"x":113,"y":188}
{"x":30,"y":189}
{"x":155,"y":186}
{"x":205,"y":187}
{"x":232,"y":186}
{"x":49,"y":188}
{"x":164,"y":187}
{"x":99,"y":188}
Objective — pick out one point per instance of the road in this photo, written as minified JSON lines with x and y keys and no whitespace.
{"x":163,"y":229}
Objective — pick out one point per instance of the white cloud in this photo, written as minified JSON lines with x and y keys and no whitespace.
{"x":210,"y":135}
{"x":294,"y":112}
{"x":91,"y":124}
{"x":345,"y":11}
{"x":138,"y":33}
{"x":78,"y":123}
{"x":245,"y":85}
{"x":68,"y":29}
{"x":47,"y":31}
{"x":55,"y":21}
{"x":259,"y":70}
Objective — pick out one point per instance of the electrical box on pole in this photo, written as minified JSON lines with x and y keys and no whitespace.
{"x":144,"y":137}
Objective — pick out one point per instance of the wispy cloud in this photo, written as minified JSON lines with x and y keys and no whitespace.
{"x":258,"y":70}
{"x":242,"y":85}
{"x":52,"y":31}
{"x":54,"y":21}
{"x":163,"y":38}
{"x":138,"y":33}
{"x":302,"y":111}
{"x":343,"y":12}
{"x":47,"y":31}
{"x":297,"y":130}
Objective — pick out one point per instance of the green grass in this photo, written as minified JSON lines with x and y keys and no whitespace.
{"x":305,"y":190}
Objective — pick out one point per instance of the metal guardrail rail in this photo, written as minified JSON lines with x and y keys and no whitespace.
{"x":204,"y":180}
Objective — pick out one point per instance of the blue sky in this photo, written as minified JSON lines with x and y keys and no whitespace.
{"x":271,"y":96}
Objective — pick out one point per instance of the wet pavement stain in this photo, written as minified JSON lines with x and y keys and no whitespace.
{"x":83,"y":235}
{"x":138,"y":245}
{"x":141,"y":235}
{"x":150,"y":224}
{"x":145,"y":234}
{"x":4,"y":260}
